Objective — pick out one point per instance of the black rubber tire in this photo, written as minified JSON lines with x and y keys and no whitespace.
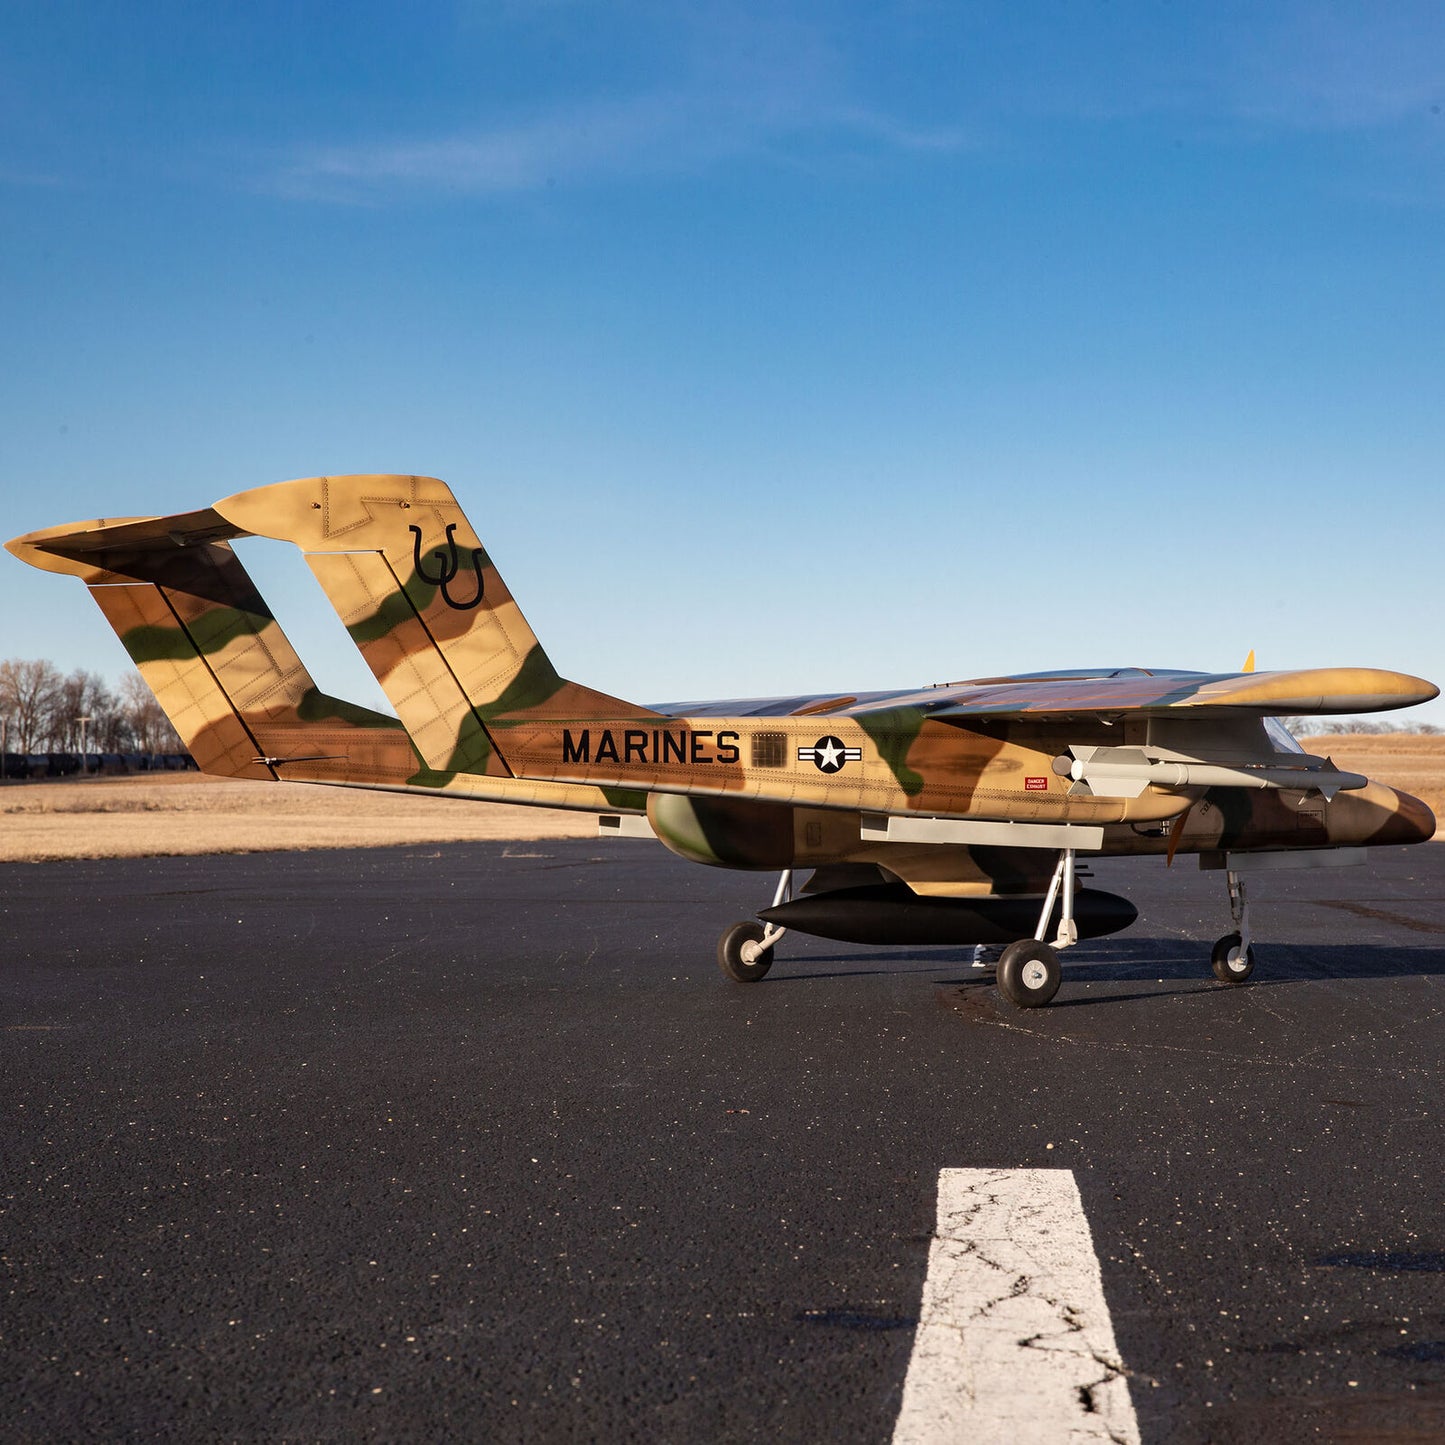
{"x":1228,"y":966}
{"x":1028,"y":973}
{"x":730,"y":953}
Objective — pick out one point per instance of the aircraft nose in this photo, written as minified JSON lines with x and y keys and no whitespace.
{"x":1411,"y":821}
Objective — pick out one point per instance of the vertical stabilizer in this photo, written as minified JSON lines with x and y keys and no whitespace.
{"x":429,"y":612}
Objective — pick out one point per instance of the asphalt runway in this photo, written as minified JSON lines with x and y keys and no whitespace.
{"x":475,"y":1142}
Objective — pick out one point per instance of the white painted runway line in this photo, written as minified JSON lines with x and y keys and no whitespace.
{"x":1014,"y":1339}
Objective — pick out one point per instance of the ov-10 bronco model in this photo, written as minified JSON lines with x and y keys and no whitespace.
{"x":945,"y":815}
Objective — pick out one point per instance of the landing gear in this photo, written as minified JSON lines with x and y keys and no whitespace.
{"x":1232,"y":961}
{"x":741,"y":953}
{"x":1233,"y":957}
{"x":1062,"y":881}
{"x":1028,"y":973}
{"x":745,"y":951}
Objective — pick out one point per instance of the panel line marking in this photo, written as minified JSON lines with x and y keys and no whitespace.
{"x":1014,"y":1338}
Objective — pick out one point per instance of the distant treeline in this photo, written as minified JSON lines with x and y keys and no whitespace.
{"x":45,"y":711}
{"x":18,"y":766}
{"x":1332,"y":726}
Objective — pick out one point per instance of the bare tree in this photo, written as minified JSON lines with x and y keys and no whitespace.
{"x":149,"y":727}
{"x":109,"y":726}
{"x":28,"y":693}
{"x":79,"y":695}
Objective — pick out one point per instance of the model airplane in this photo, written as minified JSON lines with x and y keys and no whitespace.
{"x":952,"y":814}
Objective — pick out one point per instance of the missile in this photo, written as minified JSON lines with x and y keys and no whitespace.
{"x":892,"y":913}
{"x":1126,"y":772}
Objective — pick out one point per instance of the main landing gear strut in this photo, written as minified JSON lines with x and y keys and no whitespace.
{"x":1028,"y":971}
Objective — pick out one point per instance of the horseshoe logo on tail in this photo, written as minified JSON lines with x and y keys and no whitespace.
{"x":450,"y":563}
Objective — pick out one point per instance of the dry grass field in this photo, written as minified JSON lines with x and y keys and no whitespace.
{"x":1408,"y":761}
{"x":177,"y":813}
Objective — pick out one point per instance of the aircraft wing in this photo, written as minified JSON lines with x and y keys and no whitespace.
{"x":1082,"y":693}
{"x":1309,"y":691}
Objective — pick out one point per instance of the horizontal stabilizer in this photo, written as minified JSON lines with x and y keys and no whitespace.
{"x":208,"y":646}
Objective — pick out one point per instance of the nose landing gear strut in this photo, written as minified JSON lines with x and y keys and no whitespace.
{"x":1233,"y":956}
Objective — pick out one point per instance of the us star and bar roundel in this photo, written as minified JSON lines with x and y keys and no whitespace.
{"x":828,"y":755}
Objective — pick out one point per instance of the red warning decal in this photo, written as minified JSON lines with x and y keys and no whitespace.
{"x":1036,"y":785}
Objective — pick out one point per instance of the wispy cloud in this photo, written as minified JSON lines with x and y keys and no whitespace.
{"x":732,"y":80}
{"x":659,"y":134}
{"x":720,"y":79}
{"x":568,"y":143}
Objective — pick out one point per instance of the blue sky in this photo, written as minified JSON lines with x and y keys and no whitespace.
{"x":769,"y":347}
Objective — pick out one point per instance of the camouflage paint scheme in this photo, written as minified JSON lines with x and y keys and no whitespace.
{"x":762,"y":784}
{"x":235,"y":690}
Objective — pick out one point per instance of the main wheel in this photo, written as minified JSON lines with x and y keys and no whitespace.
{"x":738,"y":954}
{"x":1028,"y":973}
{"x":1230,"y":963}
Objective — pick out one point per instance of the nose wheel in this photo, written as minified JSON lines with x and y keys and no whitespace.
{"x":1233,"y":958}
